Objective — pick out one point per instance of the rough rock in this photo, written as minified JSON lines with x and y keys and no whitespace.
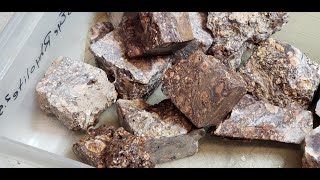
{"x":281,"y":74}
{"x":234,"y":31}
{"x":203,"y":89}
{"x":311,"y":156}
{"x":169,"y":134}
{"x":134,"y":78}
{"x":112,"y":148}
{"x":99,"y":30}
{"x":115,"y":18}
{"x":75,"y":92}
{"x":252,"y":119}
{"x":154,"y":33}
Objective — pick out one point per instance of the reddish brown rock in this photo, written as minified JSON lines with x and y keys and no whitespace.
{"x":115,"y":18}
{"x":112,"y":148}
{"x":169,"y":134}
{"x":99,"y":30}
{"x":134,"y":78}
{"x":154,"y":33}
{"x":311,"y":156}
{"x":281,"y":74}
{"x":203,"y":89}
{"x":252,"y":119}
{"x":233,"y":32}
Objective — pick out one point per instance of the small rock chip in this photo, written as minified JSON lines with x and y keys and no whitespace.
{"x":281,"y":74}
{"x":311,"y":156}
{"x":154,"y":33}
{"x":234,"y":31}
{"x":169,"y":133}
{"x":112,"y":148}
{"x":99,"y":30}
{"x":134,"y":78}
{"x":252,"y":119}
{"x":115,"y":18}
{"x":203,"y":89}
{"x":75,"y":92}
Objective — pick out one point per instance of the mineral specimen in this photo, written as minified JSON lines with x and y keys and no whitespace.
{"x":252,"y":119}
{"x":99,"y":30}
{"x":134,"y":78}
{"x":154,"y":33}
{"x":169,"y":133}
{"x":112,"y":148}
{"x":75,"y":92}
{"x":311,"y":156}
{"x":203,"y":89}
{"x":234,"y":31}
{"x":281,"y":74}
{"x":115,"y":18}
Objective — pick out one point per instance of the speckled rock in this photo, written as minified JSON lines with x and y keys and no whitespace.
{"x":112,"y":148}
{"x":203,"y":89}
{"x":252,"y":119}
{"x":134,"y":78}
{"x":169,"y":134}
{"x":115,"y":18}
{"x":99,"y":30}
{"x":281,"y":74}
{"x":75,"y":92}
{"x":154,"y":33}
{"x":234,"y":31}
{"x":311,"y":156}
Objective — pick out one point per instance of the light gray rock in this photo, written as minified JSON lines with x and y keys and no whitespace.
{"x":281,"y":74}
{"x":252,"y":119}
{"x":169,"y":133}
{"x":75,"y":92}
{"x":311,"y":156}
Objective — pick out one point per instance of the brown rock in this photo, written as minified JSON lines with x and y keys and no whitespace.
{"x":281,"y":74}
{"x":311,"y":156}
{"x":234,"y":31}
{"x":115,"y":18}
{"x":99,"y":30}
{"x":112,"y":148}
{"x":154,"y":33}
{"x":134,"y":78}
{"x":252,"y":119}
{"x":203,"y":89}
{"x":75,"y":92}
{"x":169,"y":134}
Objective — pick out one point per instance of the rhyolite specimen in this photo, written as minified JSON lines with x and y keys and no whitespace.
{"x":311,"y":156}
{"x":154,"y":33}
{"x":108,"y":147}
{"x":233,"y":32}
{"x":134,"y":78}
{"x":169,"y":134}
{"x":99,"y":30}
{"x":203,"y":88}
{"x":252,"y":119}
{"x":281,"y":74}
{"x":75,"y":92}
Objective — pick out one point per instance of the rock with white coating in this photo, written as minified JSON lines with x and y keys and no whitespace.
{"x":311,"y":156}
{"x":75,"y":92}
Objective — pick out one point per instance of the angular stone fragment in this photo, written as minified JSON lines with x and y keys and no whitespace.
{"x":112,"y":148}
{"x":154,"y":33}
{"x":134,"y":78}
{"x":99,"y":30}
{"x":75,"y":92}
{"x":311,"y":156}
{"x":169,"y":133}
{"x":115,"y":18}
{"x":281,"y":74}
{"x":252,"y":119}
{"x":234,"y":31}
{"x":203,"y":89}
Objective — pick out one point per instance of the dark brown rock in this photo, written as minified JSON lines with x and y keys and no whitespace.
{"x":169,"y":134}
{"x":281,"y":74}
{"x":134,"y":78}
{"x":203,"y":89}
{"x":99,"y":30}
{"x":233,"y":32}
{"x":252,"y":119}
{"x":112,"y":148}
{"x":154,"y":33}
{"x":311,"y":156}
